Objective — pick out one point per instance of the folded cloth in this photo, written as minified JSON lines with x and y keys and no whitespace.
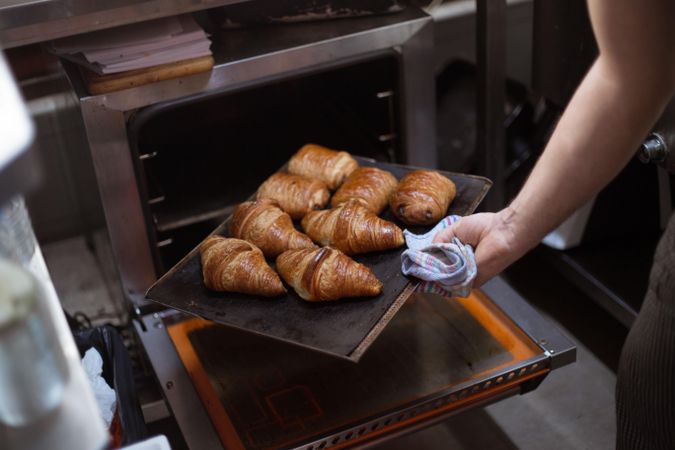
{"x":447,"y":269}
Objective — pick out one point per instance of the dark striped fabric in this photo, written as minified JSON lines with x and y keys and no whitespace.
{"x":645,"y":389}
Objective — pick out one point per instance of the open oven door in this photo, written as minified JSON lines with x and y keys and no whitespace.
{"x":437,"y":357}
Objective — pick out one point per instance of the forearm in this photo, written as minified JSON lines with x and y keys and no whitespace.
{"x":599,"y":132}
{"x":610,"y":114}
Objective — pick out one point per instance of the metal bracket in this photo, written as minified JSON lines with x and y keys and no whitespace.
{"x":558,"y":347}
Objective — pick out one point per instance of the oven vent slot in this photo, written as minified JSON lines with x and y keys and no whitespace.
{"x":398,"y":417}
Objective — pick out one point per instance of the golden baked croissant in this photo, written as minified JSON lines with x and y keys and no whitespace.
{"x":352,"y":229}
{"x":295,"y":194}
{"x":330,"y":166}
{"x":234,"y":265}
{"x":264,"y":224}
{"x":370,"y":186}
{"x":422,"y":197}
{"x":326,"y":274}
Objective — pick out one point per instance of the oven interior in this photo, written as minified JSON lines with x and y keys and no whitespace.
{"x":198,"y":157}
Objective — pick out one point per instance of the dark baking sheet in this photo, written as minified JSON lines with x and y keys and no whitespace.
{"x":344,"y":328}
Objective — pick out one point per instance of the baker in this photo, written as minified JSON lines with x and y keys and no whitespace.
{"x":613,"y":109}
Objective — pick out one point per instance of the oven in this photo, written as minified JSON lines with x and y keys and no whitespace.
{"x":232,"y":141}
{"x":173,"y":157}
{"x":359,"y":83}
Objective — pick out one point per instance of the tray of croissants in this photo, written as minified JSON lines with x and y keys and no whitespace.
{"x":313,"y":257}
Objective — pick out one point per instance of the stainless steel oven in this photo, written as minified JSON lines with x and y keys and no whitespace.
{"x":361,"y":83}
{"x":196,"y":158}
{"x":173,"y":157}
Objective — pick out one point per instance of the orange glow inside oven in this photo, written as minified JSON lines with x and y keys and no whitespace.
{"x":513,"y":345}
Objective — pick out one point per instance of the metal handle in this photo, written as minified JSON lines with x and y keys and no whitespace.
{"x":155,"y":200}
{"x":147,"y":156}
{"x":165,"y":242}
{"x":653,"y":150}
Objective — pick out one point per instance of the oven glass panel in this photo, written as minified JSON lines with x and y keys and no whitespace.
{"x":262,"y":393}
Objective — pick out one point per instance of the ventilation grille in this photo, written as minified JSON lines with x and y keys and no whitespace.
{"x":430,"y":405}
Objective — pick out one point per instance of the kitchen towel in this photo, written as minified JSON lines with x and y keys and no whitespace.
{"x":447,"y":269}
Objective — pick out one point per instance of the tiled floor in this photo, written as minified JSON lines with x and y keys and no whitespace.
{"x":572,"y":409}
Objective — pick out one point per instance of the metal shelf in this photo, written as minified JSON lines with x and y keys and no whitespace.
{"x":24,"y":22}
{"x":252,"y":54}
{"x":615,"y":273}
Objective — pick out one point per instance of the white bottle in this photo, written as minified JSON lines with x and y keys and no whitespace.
{"x":46,"y":401}
{"x":33,"y":369}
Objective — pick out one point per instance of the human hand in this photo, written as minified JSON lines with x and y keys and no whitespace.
{"x":494,"y":241}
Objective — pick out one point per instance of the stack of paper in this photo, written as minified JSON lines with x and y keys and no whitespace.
{"x":136,"y":46}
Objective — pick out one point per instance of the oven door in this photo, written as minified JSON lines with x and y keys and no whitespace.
{"x":437,"y":357}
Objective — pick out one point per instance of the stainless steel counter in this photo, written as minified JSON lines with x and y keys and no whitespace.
{"x":25,"y":22}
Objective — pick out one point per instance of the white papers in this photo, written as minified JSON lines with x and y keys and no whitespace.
{"x":136,"y":46}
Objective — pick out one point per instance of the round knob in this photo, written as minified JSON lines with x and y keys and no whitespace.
{"x":653,"y":150}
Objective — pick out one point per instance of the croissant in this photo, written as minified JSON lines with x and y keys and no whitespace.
{"x":422,"y":197}
{"x":352,"y":229}
{"x":329,"y":166}
{"x":295,"y":194}
{"x":370,"y":186}
{"x":262,"y":223}
{"x":233,"y":265}
{"x":326,"y":274}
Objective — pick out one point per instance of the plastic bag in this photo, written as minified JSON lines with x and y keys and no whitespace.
{"x":117,"y":373}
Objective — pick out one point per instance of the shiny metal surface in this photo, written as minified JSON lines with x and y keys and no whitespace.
{"x":653,"y":150}
{"x":25,"y":22}
{"x":491,"y":98}
{"x":559,"y":347}
{"x":106,"y":132}
{"x":184,"y":403}
{"x":251,"y":56}
{"x":246,"y":58}
{"x":377,"y":441}
{"x":419,"y":117}
{"x":405,"y":337}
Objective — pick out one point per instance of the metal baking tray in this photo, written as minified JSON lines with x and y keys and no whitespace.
{"x":344,"y":328}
